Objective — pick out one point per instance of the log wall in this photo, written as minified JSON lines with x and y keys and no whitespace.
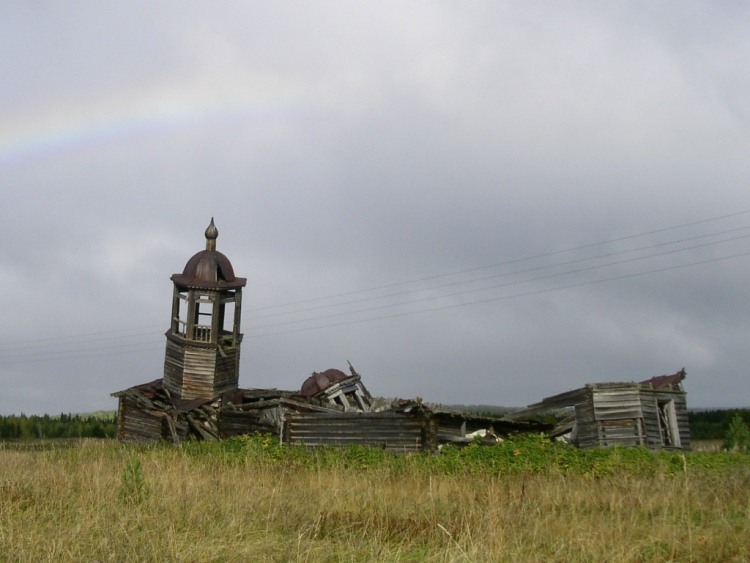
{"x":619,"y":416}
{"x":396,"y":432}
{"x":136,"y":424}
{"x":192,"y":372}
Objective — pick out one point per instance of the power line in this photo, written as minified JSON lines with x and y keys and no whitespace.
{"x":90,"y":337}
{"x":509,"y":262}
{"x":98,"y":335}
{"x":503,"y":297}
{"x":138,"y":332}
{"x":80,"y":354}
{"x":512,"y":273}
{"x":75,"y":340}
{"x":127,"y":349}
{"x":502,"y":285}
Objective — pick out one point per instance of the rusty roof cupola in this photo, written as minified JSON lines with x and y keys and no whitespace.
{"x":209,"y":268}
{"x":203,"y":342}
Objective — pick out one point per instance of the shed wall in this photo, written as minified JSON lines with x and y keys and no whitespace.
{"x":619,"y":416}
{"x":136,"y":424}
{"x":390,"y":431}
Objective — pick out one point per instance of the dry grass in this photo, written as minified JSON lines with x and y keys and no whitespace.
{"x":72,"y":504}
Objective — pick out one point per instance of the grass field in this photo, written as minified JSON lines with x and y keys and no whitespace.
{"x":252,"y":500}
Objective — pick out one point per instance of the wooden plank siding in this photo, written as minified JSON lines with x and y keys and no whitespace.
{"x":199,"y":372}
{"x":586,"y":426}
{"x":651,"y":422}
{"x":622,"y":432}
{"x":198,"y":377}
{"x":226,"y":370}
{"x":136,"y":424}
{"x":397,"y":432}
{"x":174,"y":363}
{"x":618,"y":414}
{"x":628,"y":415}
{"x":680,"y":401}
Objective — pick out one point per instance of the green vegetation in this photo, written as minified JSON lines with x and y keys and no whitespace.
{"x":133,"y":487}
{"x":479,"y":410}
{"x":22,"y":427}
{"x":713,"y":424}
{"x":252,"y":499}
{"x":704,"y":425}
{"x":532,"y":454}
{"x":738,"y":435}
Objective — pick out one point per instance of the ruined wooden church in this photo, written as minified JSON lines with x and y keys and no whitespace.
{"x":198,"y":395}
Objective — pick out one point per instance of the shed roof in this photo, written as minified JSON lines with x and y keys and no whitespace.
{"x":666,"y":381}
{"x":672,"y":382}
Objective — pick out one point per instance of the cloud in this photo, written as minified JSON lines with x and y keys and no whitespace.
{"x":420,"y":188}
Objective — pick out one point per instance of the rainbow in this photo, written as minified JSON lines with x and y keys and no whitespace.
{"x":63,"y":133}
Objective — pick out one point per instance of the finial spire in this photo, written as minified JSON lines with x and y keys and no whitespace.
{"x":212,"y":234}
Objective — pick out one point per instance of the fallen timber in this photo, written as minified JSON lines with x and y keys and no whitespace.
{"x":150,"y":413}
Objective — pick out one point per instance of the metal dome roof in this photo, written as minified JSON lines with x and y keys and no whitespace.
{"x":317,"y":382}
{"x":209,"y":269}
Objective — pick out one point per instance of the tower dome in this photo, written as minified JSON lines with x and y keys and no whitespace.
{"x":209,"y":268}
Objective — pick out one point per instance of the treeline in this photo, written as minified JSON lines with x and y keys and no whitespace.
{"x":23,"y":427}
{"x":704,"y":425}
{"x":713,"y":424}
{"x":478,"y":410}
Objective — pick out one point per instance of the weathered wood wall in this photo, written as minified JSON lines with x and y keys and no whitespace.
{"x":680,"y":401}
{"x":140,"y":423}
{"x":587,"y":428}
{"x":193,"y":372}
{"x":618,"y":414}
{"x":174,"y":363}
{"x":398,"y":432}
{"x":136,"y":424}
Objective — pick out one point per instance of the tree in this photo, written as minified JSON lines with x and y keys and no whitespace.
{"x":738,"y":435}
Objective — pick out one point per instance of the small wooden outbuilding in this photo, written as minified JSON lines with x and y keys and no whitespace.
{"x":652,"y":413}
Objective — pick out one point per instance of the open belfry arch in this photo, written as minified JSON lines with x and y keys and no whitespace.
{"x":202,"y":357}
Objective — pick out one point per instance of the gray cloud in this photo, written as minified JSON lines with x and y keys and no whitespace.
{"x":442,"y":170}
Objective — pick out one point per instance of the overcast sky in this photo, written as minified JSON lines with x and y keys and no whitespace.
{"x":472,"y":202}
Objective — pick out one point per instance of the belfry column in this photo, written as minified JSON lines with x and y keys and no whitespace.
{"x":202,"y":357}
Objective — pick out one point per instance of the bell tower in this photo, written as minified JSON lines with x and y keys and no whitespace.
{"x":202,"y":358}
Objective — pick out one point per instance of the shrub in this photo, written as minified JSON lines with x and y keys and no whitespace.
{"x":737,"y":437}
{"x":133,"y":486}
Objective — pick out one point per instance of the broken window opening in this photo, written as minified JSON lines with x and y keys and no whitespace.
{"x":204,"y":309}
{"x":227,"y":320}
{"x":179,"y":321}
{"x":667,"y":415}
